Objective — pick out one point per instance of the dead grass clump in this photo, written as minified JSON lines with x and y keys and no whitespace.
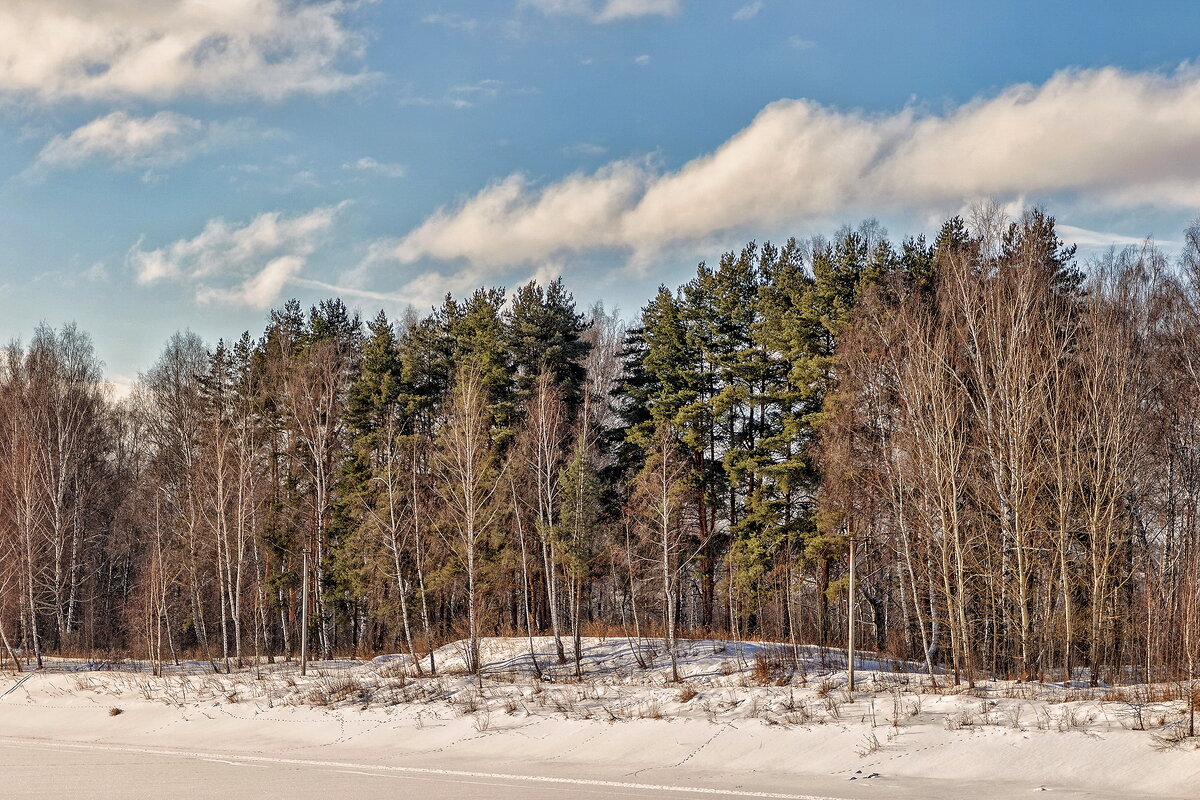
{"x":1017,"y":691}
{"x":1171,"y":737}
{"x":801,"y":716}
{"x":773,"y":666}
{"x":565,"y":703}
{"x":687,"y":693}
{"x":114,"y":711}
{"x":337,"y":689}
{"x":396,"y":671}
{"x":652,"y":710}
{"x":869,"y":744}
{"x":1142,"y":693}
{"x":962,"y":718}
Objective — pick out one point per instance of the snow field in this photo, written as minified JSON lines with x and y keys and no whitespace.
{"x":745,"y":714}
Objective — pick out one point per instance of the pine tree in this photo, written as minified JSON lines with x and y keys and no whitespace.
{"x":544,"y":333}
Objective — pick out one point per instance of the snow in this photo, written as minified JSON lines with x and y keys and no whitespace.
{"x":746,"y":717}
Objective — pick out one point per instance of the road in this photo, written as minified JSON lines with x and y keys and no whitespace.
{"x":114,"y":772}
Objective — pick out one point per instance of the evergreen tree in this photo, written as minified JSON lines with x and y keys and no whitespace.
{"x":544,"y":333}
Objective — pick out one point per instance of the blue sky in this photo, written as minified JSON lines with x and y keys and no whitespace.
{"x":170,"y":163}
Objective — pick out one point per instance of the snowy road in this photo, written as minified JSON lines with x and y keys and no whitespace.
{"x":113,"y":772}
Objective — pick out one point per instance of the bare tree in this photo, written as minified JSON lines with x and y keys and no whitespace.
{"x":469,"y":479}
{"x":658,"y":501}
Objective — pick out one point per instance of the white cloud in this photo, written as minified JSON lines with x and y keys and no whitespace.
{"x":368,"y":164}
{"x":608,"y":10}
{"x":748,"y":11}
{"x":543,"y":220}
{"x":1111,"y":138}
{"x":159,"y":49}
{"x":455,"y":22}
{"x":624,"y":9}
{"x":642,"y":60}
{"x":800,"y":43}
{"x":132,"y":142}
{"x":468,"y":95}
{"x":126,"y":140}
{"x":418,"y":100}
{"x":488,"y":87}
{"x":246,"y":265}
{"x":584,"y":150}
{"x":259,"y":290}
{"x":97,"y":272}
{"x":1098,"y":239}
{"x":351,"y":291}
{"x":428,"y":287}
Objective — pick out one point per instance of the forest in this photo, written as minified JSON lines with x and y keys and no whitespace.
{"x":1003,"y":440}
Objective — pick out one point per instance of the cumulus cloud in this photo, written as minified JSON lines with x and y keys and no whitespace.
{"x":124,"y":139}
{"x":242,"y":265}
{"x":544,"y":220}
{"x":133,"y":142}
{"x":1114,"y":138}
{"x":607,"y":10}
{"x":160,"y":49}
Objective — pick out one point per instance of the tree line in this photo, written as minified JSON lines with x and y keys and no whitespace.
{"x":1007,"y":441}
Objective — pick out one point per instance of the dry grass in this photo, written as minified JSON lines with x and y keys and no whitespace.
{"x":336,"y":689}
{"x":773,"y":666}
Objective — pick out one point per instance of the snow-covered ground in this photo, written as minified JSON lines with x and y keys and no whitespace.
{"x":745,"y":719}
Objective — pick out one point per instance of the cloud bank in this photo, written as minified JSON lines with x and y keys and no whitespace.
{"x":52,"y":50}
{"x":247,"y":265}
{"x":1120,"y":139}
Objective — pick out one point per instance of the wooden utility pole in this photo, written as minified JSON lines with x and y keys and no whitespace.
{"x":304,"y":613}
{"x":850,"y":632}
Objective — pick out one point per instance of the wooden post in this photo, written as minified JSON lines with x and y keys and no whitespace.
{"x":304,"y":613}
{"x":850,"y":633}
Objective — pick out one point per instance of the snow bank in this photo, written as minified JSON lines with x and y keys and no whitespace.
{"x":760,"y":716}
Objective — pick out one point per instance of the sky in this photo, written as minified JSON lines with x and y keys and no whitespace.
{"x":169,"y":164}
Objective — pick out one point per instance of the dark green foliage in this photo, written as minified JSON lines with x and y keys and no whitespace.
{"x":544,"y":332}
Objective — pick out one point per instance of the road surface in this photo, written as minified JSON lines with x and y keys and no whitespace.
{"x":114,"y":772}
